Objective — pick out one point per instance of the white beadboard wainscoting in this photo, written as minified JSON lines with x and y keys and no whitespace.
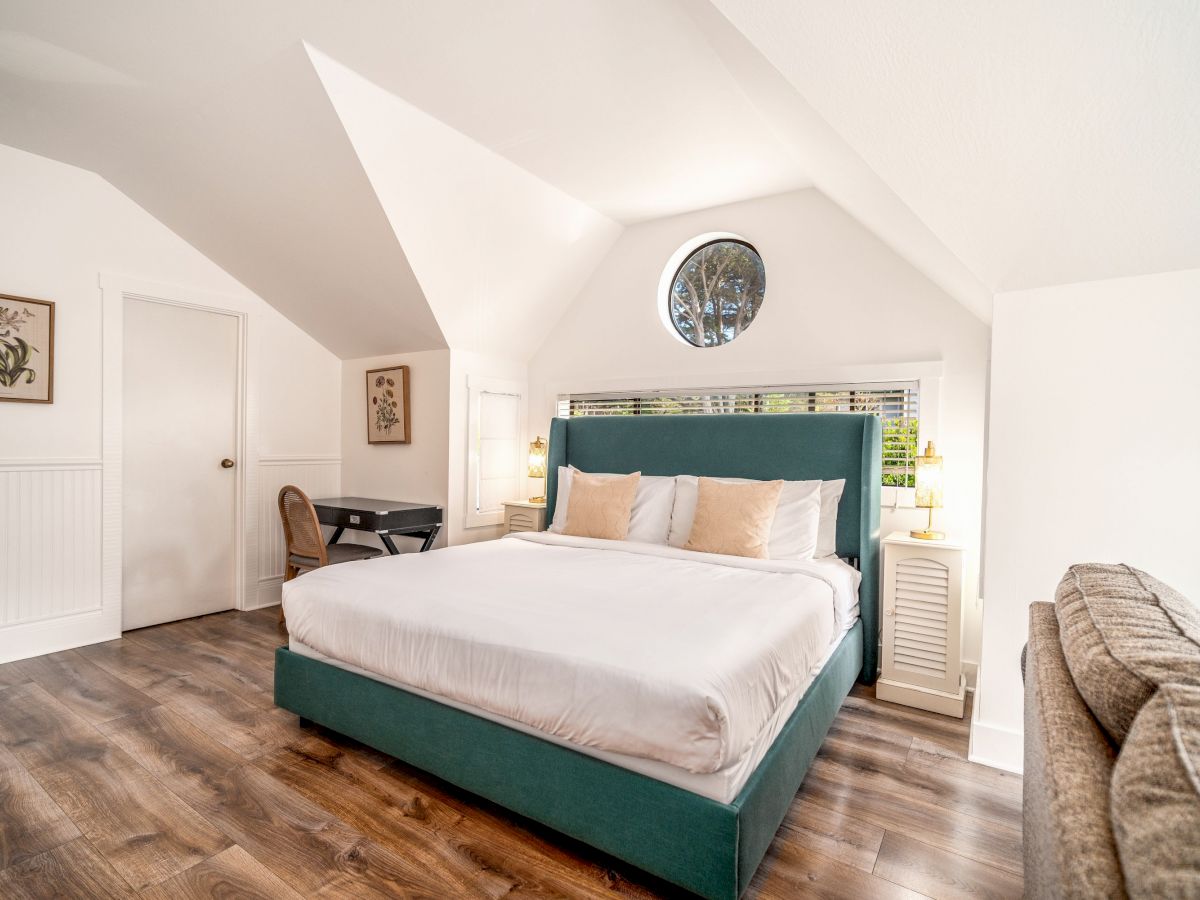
{"x":51,"y":542}
{"x":317,"y":476}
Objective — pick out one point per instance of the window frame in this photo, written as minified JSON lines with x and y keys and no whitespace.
{"x":683,"y":255}
{"x":927,"y":375}
{"x":474,"y":516}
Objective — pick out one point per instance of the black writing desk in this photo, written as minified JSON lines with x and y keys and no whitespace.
{"x":382,"y":517}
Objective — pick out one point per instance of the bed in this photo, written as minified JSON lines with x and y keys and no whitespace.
{"x":700,"y":813}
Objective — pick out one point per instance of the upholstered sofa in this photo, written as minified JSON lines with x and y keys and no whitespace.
{"x":1112,"y":739}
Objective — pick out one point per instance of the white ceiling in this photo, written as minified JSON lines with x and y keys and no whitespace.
{"x":995,"y":146}
{"x":260,"y":176}
{"x":613,"y":101}
{"x":495,"y":249}
{"x":211,"y":116}
{"x":1042,"y":142}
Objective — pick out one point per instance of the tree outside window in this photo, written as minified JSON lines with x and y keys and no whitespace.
{"x":717,"y":292}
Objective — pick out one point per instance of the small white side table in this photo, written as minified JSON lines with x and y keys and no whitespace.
{"x":521,"y":515}
{"x":922,"y":624}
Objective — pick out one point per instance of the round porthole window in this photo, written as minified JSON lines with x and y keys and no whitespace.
{"x":716,"y":292}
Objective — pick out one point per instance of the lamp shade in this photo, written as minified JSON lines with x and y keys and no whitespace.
{"x":537,"y":458}
{"x":929,"y":479}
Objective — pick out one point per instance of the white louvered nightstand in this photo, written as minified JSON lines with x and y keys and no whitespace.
{"x":922,"y":624}
{"x":521,"y":515}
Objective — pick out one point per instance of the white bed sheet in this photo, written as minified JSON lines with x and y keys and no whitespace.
{"x":636,"y":649}
{"x":722,"y":785}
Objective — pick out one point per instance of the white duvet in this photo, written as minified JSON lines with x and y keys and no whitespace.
{"x":639,"y":649}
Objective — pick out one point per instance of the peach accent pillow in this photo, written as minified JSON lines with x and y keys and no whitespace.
{"x":734,"y":519}
{"x":600,"y":505}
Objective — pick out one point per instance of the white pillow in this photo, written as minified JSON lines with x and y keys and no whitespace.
{"x":793,"y":531}
{"x":650,"y":519}
{"x":831,"y":496}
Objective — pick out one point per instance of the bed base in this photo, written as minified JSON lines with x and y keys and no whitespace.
{"x":707,"y":847}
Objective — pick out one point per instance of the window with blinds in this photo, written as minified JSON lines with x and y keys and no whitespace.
{"x":897,"y":404}
{"x":495,"y":425}
{"x":497,"y":443}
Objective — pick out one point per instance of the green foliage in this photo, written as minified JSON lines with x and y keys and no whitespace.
{"x":717,"y":293}
{"x":900,"y":443}
{"x":15,"y":354}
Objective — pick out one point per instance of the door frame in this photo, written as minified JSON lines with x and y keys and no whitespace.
{"x":115,"y":290}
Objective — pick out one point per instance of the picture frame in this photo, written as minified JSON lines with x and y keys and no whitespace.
{"x":388,"y":419}
{"x":26,"y":350}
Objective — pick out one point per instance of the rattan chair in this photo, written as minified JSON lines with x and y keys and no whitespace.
{"x":306,"y":548}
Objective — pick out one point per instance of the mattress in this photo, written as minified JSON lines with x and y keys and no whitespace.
{"x":643,"y":651}
{"x":722,"y":785}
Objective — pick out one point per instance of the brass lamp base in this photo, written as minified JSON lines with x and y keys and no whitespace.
{"x":928,"y":535}
{"x":543,"y":498}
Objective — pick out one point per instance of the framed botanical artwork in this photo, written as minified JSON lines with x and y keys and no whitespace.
{"x":387,"y":406}
{"x":26,"y":350}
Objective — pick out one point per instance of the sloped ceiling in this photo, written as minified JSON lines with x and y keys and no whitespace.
{"x":494,"y":248}
{"x":400,"y":174}
{"x":1041,"y":142}
{"x":260,"y":177}
{"x":837,"y":169}
{"x":466,"y":170}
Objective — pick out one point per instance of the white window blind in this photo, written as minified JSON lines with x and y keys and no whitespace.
{"x":896,"y":403}
{"x":499,"y":436}
{"x":496,"y":421}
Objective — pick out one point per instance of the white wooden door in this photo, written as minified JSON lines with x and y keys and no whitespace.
{"x":180,"y":424}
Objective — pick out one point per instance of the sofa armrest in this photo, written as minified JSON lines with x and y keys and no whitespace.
{"x":1068,"y":841}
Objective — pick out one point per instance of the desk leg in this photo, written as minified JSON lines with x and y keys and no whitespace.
{"x":387,"y":542}
{"x":431,"y":537}
{"x":337,"y":533}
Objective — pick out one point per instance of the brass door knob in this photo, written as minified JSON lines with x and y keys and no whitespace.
{"x":227,"y":464}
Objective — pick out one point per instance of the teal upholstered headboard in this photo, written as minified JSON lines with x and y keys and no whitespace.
{"x":792,"y":447}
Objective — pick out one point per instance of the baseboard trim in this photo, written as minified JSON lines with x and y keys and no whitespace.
{"x":269,"y":593}
{"x":996,"y":746}
{"x":942,"y":702}
{"x":55,"y":633}
{"x":970,"y":668}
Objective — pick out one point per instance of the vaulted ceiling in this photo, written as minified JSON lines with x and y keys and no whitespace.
{"x":399,"y":175}
{"x":1042,"y":142}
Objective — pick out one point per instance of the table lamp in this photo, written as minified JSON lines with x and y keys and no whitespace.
{"x":537,"y":466}
{"x":929,"y":490}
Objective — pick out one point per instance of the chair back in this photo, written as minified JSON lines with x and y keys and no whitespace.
{"x":301,"y":528}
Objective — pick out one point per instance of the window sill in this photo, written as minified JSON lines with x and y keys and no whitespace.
{"x":483,"y":519}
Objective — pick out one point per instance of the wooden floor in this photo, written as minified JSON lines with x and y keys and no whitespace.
{"x":157,"y":764}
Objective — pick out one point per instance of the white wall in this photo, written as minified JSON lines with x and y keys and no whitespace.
{"x":62,"y":227}
{"x":838,"y":304}
{"x":433,"y":467}
{"x":1092,"y":451}
{"x":417,"y":471}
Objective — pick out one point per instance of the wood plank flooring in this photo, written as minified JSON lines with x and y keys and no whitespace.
{"x":158,"y":766}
